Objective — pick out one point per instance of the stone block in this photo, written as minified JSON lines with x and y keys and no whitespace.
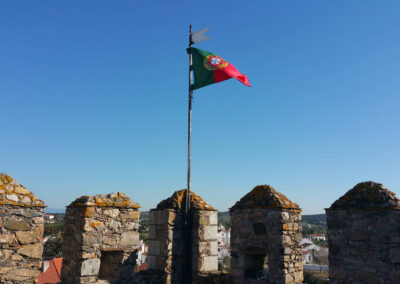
{"x":395,"y":255}
{"x":204,"y":218}
{"x":395,"y":276}
{"x":207,"y":232}
{"x":129,"y":239}
{"x":38,"y":220}
{"x":12,"y":197}
{"x":30,"y":237}
{"x":21,"y":190}
{"x":166,"y":217}
{"x":213,"y":248}
{"x":4,"y":270}
{"x":7,"y":238}
{"x":134,"y":215}
{"x":152,"y":262}
{"x":90,"y":267}
{"x":33,"y":251}
{"x":209,"y":263}
{"x":16,"y":257}
{"x":153,"y":217}
{"x":152,"y":232}
{"x":89,"y":212}
{"x":213,"y":218}
{"x":158,"y":217}
{"x":28,"y":275}
{"x":112,"y":213}
{"x":90,"y":238}
{"x":200,"y":248}
{"x":154,"y":247}
{"x":16,"y":225}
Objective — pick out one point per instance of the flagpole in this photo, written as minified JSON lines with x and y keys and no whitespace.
{"x":187,"y":208}
{"x":189,"y":125}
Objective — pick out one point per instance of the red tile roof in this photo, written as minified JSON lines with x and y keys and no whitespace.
{"x":53,"y":273}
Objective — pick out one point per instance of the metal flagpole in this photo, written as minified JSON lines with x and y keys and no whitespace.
{"x":189,"y":125}
{"x":187,"y":208}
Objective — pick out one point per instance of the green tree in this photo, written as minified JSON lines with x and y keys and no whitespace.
{"x":52,"y":248}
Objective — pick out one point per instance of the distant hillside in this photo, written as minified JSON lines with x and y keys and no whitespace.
{"x":54,"y":210}
{"x":312,"y":224}
{"x":224,"y":218}
{"x":317,"y":219}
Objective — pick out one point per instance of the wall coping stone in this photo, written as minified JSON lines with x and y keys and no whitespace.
{"x":178,"y":200}
{"x":367,"y":195}
{"x":264,"y":196}
{"x":119,"y":200}
{"x":14,"y":193}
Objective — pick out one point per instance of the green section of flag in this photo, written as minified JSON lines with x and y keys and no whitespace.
{"x":202,"y":76}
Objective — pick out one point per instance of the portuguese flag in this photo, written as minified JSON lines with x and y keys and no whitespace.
{"x":209,"y":68}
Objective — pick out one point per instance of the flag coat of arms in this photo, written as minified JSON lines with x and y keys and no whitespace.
{"x":209,"y":68}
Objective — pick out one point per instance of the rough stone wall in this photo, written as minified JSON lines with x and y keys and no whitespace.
{"x":265,"y":237}
{"x":204,"y":241}
{"x":166,"y":251}
{"x":167,"y":238}
{"x":100,"y":239}
{"x":21,"y":230}
{"x":364,"y":236}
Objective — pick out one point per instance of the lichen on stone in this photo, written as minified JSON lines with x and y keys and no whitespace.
{"x":14,"y":193}
{"x":367,"y":195}
{"x":115,"y":199}
{"x":178,"y":201}
{"x":264,"y":196}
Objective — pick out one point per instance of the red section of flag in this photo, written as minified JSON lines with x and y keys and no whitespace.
{"x":230,"y":72}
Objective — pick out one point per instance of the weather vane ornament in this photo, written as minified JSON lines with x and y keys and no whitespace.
{"x":199,"y":36}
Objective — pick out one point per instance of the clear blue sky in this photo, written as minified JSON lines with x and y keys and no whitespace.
{"x":93,"y":98}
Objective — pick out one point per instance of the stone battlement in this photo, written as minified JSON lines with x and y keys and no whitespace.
{"x":101,"y":238}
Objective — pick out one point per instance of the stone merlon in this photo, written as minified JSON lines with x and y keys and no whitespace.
{"x":13,"y":193}
{"x":264,"y":196}
{"x":367,"y":195}
{"x":110,"y":200}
